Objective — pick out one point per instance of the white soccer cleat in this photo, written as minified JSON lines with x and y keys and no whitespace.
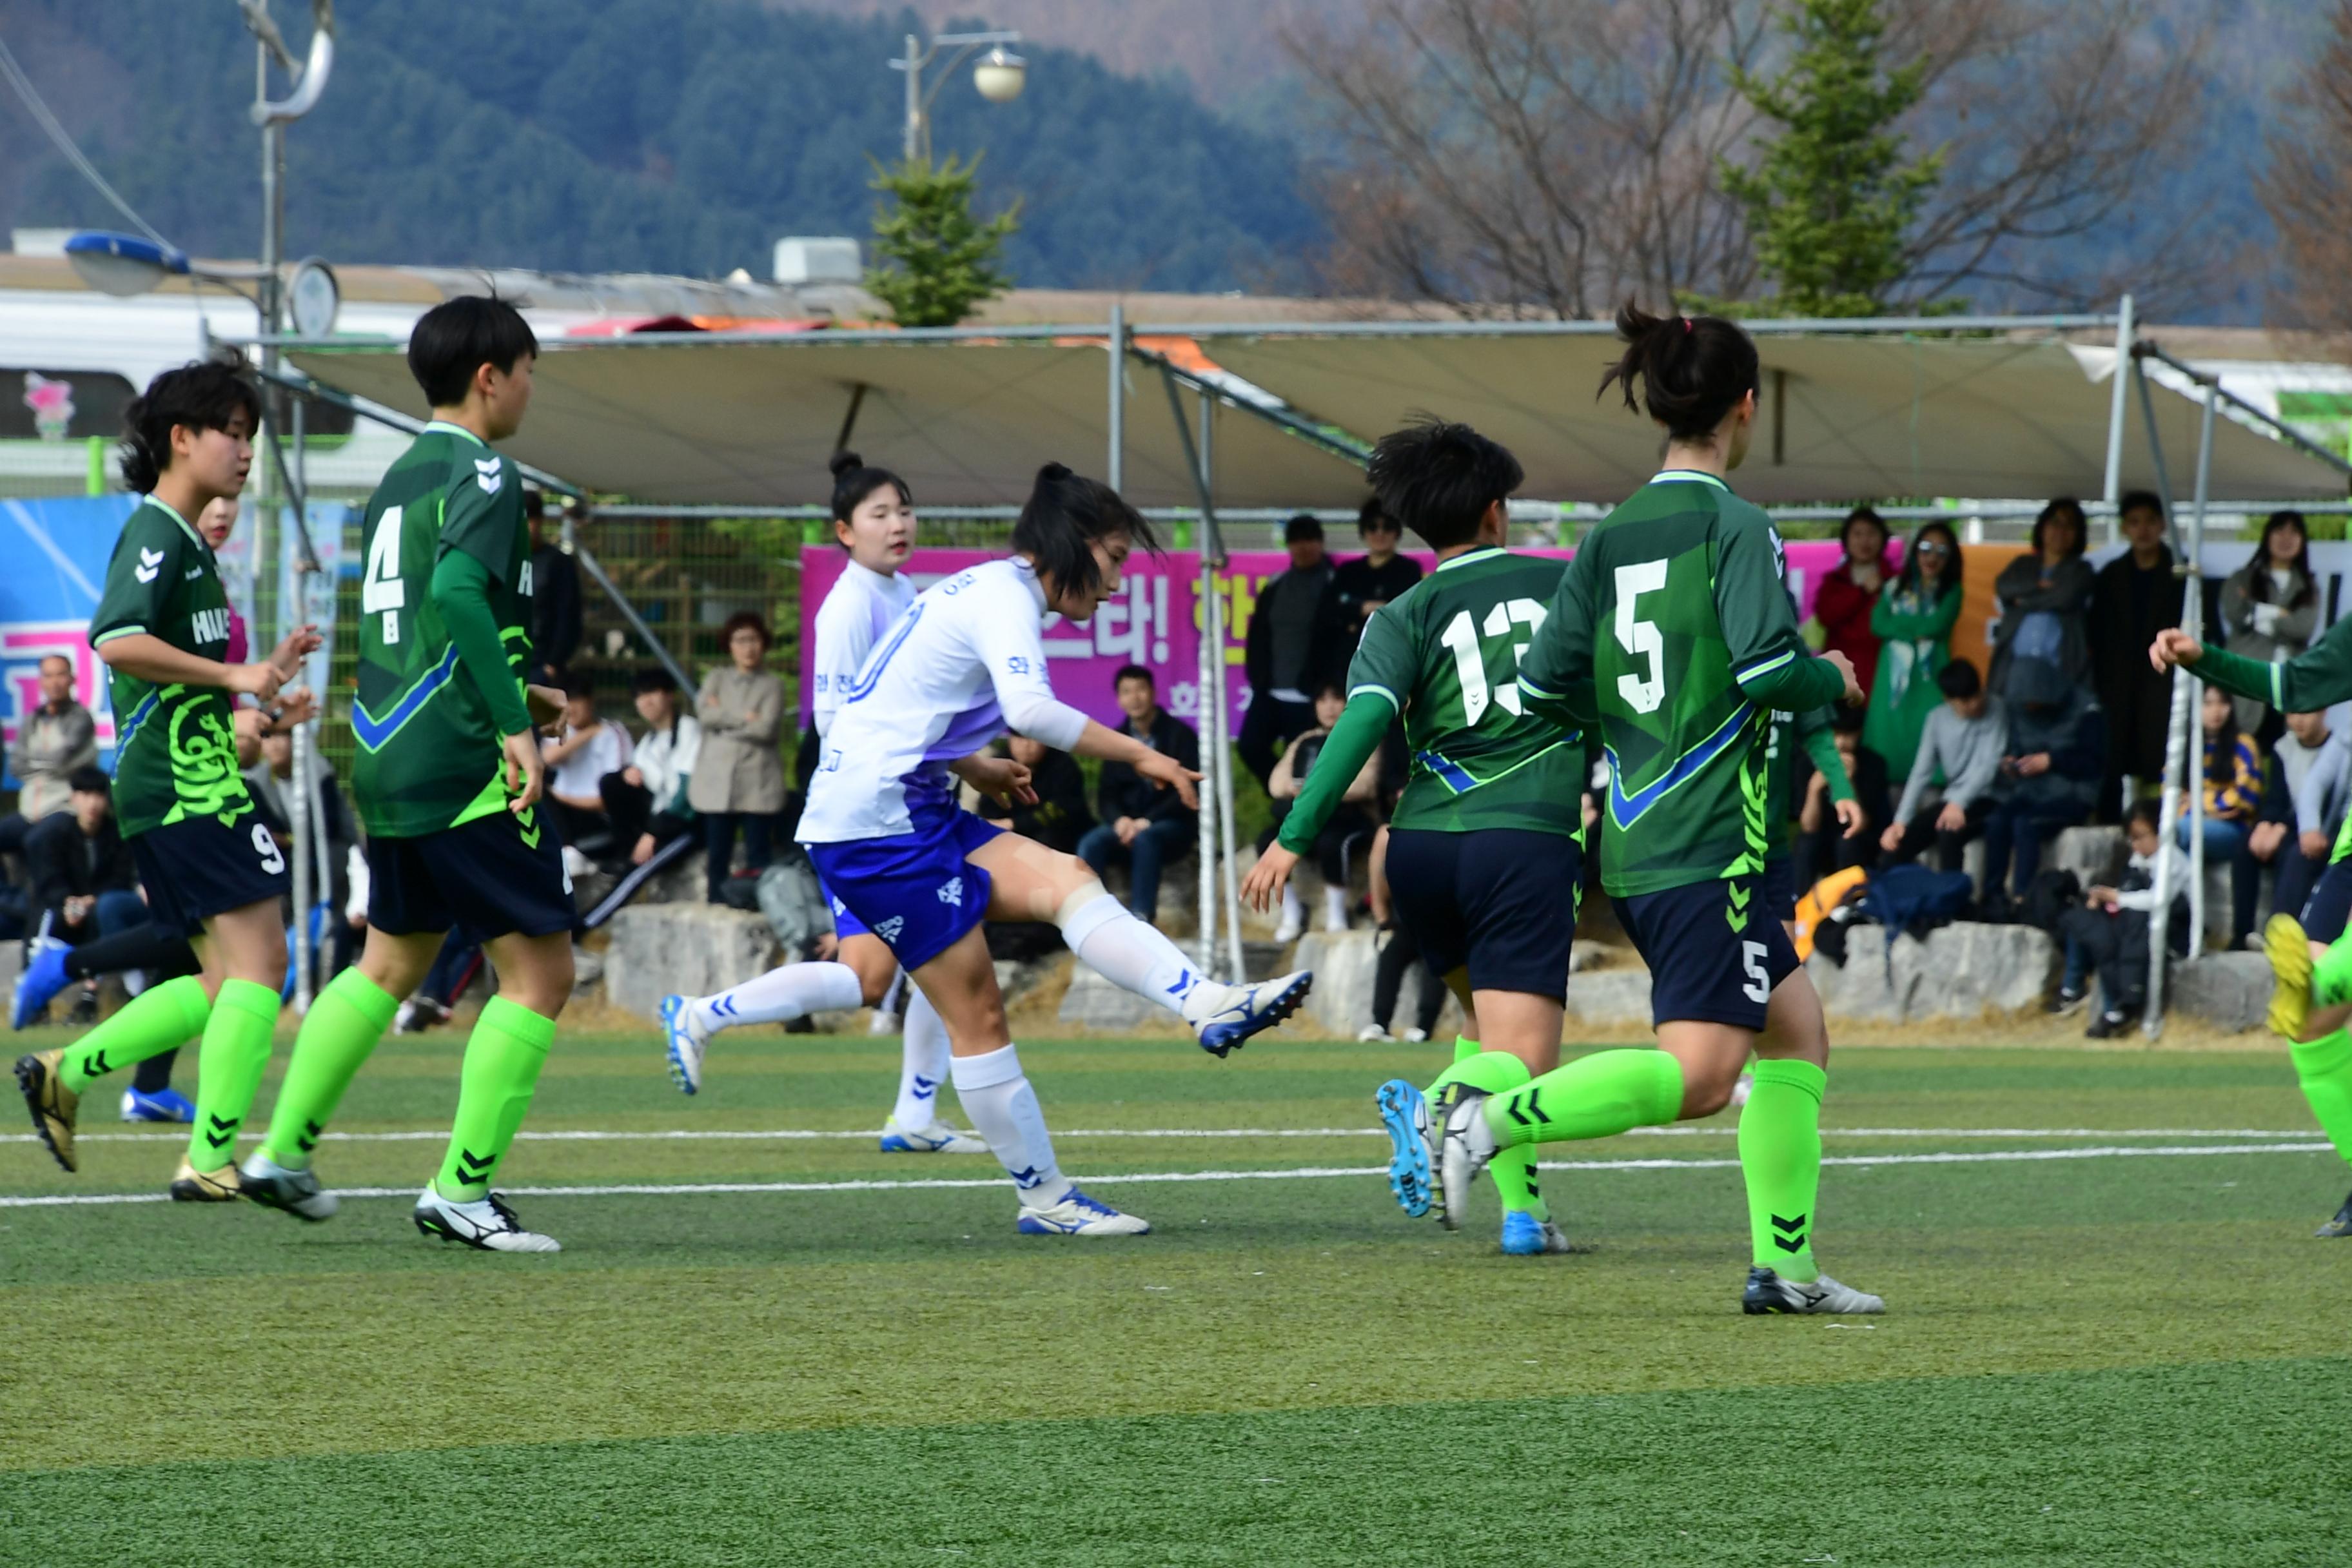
{"x":485,"y":1223}
{"x":1079,"y":1215}
{"x":1371,"y":1032}
{"x":1289,"y":931}
{"x":1768,"y":1293}
{"x":1462,"y":1152}
{"x":686,"y":1039}
{"x":939,"y":1138}
{"x":1225,"y":1016}
{"x":298,"y":1192}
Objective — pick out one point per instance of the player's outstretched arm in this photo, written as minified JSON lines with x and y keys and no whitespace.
{"x":2318,"y":678}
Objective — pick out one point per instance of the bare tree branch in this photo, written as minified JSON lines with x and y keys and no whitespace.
{"x":2308,"y":187}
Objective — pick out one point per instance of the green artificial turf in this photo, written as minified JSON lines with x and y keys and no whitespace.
{"x":2109,"y":1359}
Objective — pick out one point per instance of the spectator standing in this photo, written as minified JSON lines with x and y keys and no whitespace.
{"x":1059,"y":819}
{"x":1363,"y":585}
{"x":53,"y":743}
{"x":2269,"y":607}
{"x":1847,"y":599}
{"x":1914,"y":622}
{"x":739,"y":779}
{"x":2305,"y":809}
{"x":2233,"y":800}
{"x":1143,"y":822}
{"x":1353,"y":822}
{"x":2044,"y":600}
{"x":592,"y":749}
{"x":2136,"y":597}
{"x":1964,"y":739}
{"x":1280,"y":653}
{"x":556,"y":611}
{"x":2048,"y":776}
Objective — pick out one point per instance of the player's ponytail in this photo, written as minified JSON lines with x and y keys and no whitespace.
{"x":1065,"y":514}
{"x":1693,"y":369}
{"x":202,"y":396}
{"x":854,"y":480}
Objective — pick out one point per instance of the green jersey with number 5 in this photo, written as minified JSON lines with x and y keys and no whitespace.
{"x":1673,"y":625}
{"x":430,"y":756}
{"x":1445,"y":654}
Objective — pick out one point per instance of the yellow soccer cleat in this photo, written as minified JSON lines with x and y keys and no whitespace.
{"x":53,"y":1105}
{"x":2289,"y":951}
{"x":190,"y":1186}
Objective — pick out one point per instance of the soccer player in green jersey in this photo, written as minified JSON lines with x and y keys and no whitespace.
{"x":1487,"y":846}
{"x":448,"y":783}
{"x":2310,"y":953}
{"x":207,"y":863}
{"x":1673,"y":625}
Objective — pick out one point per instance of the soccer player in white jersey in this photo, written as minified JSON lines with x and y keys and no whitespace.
{"x":873,"y":519}
{"x":963,"y":665}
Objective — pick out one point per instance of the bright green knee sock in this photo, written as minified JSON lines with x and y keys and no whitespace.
{"x":2324,"y":1067}
{"x":509,"y":1047}
{"x":1780,"y":1155}
{"x":228,"y":1068}
{"x":157,"y":1019}
{"x":1597,"y":1096}
{"x":342,"y":1026}
{"x":1514,"y":1169}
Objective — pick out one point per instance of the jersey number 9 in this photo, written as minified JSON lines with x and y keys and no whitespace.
{"x":1462,"y":636}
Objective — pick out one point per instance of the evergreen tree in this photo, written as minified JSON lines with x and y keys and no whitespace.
{"x":1833,"y":198}
{"x":944,"y":259}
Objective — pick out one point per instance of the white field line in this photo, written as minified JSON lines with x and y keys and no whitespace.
{"x":1304,"y":1172}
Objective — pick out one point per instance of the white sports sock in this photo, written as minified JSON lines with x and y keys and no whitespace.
{"x":1132,"y":955}
{"x":997,"y":1096}
{"x":924,"y":1062}
{"x":1335,"y":908}
{"x":792,"y":991}
{"x":1293,"y":914}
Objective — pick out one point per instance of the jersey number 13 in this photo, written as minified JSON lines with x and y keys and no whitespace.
{"x":1464,"y":637}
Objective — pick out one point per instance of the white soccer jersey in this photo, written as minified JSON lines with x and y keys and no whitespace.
{"x":861,"y":607}
{"x":963,"y":664}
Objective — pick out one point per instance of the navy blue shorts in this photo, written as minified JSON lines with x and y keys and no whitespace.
{"x":844,"y":924}
{"x":915,"y":890}
{"x":1498,"y":901}
{"x":489,"y":878}
{"x":1780,"y":887}
{"x":2326,"y":912}
{"x":1715,"y":951}
{"x":202,"y":865}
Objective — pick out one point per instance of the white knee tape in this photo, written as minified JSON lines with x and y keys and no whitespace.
{"x":1086,"y":911}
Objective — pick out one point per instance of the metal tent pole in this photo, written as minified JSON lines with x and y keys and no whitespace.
{"x":2192,"y":620}
{"x":1236,"y":970}
{"x":2177,"y":739}
{"x":1115,"y":473}
{"x":2125,"y":332}
{"x":1216,"y":762}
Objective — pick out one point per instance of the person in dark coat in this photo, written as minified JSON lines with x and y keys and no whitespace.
{"x":2134,"y":597}
{"x":556,"y":614}
{"x":1060,"y":818}
{"x":1143,"y":824}
{"x":1281,"y":649}
{"x":2044,"y":600}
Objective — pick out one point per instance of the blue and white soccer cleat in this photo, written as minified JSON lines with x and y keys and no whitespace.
{"x":1079,"y":1215}
{"x":1247,"y":1010}
{"x":45,"y":975}
{"x":939,"y":1138}
{"x":1524,"y":1235}
{"x":165,"y":1105}
{"x":685,"y":1038}
{"x":1404,"y":1112}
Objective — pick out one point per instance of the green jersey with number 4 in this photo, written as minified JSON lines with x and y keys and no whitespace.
{"x":1673,"y":625}
{"x":430,"y":756}
{"x":1445,"y":654}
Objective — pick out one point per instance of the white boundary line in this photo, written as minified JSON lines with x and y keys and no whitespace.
{"x":804,"y":1134}
{"x":1304,"y":1172}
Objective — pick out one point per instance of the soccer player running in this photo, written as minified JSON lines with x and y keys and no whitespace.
{"x":2310,"y":954}
{"x":208,"y":864}
{"x":448,"y":781}
{"x":1486,"y":850}
{"x":874,"y":521}
{"x":1672,"y":624}
{"x":963,"y":665}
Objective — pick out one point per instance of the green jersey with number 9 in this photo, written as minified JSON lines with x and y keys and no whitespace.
{"x":1673,"y":625}
{"x":430,"y":755}
{"x":1445,"y":654}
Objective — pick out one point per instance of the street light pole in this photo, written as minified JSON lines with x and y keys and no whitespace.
{"x":998,"y":77}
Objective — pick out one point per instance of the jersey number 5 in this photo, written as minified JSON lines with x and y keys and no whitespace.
{"x":1462,"y":636}
{"x":1641,"y":638}
{"x":382,"y":592}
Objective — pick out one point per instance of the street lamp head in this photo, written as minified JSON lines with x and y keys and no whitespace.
{"x":1000,"y":75}
{"x":124,"y":264}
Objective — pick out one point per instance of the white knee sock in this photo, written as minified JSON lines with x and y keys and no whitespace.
{"x":1132,"y":955}
{"x":997,"y":1096}
{"x":1335,"y":908}
{"x":793,"y":991}
{"x":1294,"y":912}
{"x":924,"y":1062}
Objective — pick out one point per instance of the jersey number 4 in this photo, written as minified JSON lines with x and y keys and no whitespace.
{"x":382,"y":592}
{"x":1463,"y":637}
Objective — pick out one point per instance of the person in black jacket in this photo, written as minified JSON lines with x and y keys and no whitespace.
{"x":1143,"y":822}
{"x":2136,"y":597}
{"x":84,"y":882}
{"x":1363,"y":585}
{"x":556,"y":616}
{"x":1283,"y":649}
{"x":1060,"y":819}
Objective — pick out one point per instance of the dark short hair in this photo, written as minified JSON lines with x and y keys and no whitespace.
{"x":1958,"y":680}
{"x":1333,"y":686}
{"x":1848,"y":721}
{"x":2146,"y":811}
{"x":204,"y":395}
{"x":90,"y":781}
{"x":738,"y":621}
{"x":2140,"y":500}
{"x":575,"y":684}
{"x":2070,"y":509}
{"x":654,"y":679}
{"x":1439,"y":479}
{"x":1373,"y":515}
{"x":1127,"y":672}
{"x":1302,"y":525}
{"x":534,"y":503}
{"x":459,"y":337}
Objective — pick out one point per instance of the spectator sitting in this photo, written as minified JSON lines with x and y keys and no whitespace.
{"x":2302,"y":816}
{"x":739,"y":777}
{"x":84,"y":882}
{"x":555,"y":606}
{"x":53,"y":741}
{"x":1060,"y":818}
{"x":2109,"y":932}
{"x":2233,"y":799}
{"x":1144,"y":823}
{"x":1821,"y":844}
{"x":2269,"y":607}
{"x":1360,"y":586}
{"x":1965,"y":740}
{"x":1351,"y":821}
{"x":645,"y":801}
{"x":1849,"y":593}
{"x":576,"y":766}
{"x":1280,"y":647}
{"x":2136,"y":598}
{"x":2049,"y":775}
{"x":2044,"y":600}
{"x":1914,"y":623}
